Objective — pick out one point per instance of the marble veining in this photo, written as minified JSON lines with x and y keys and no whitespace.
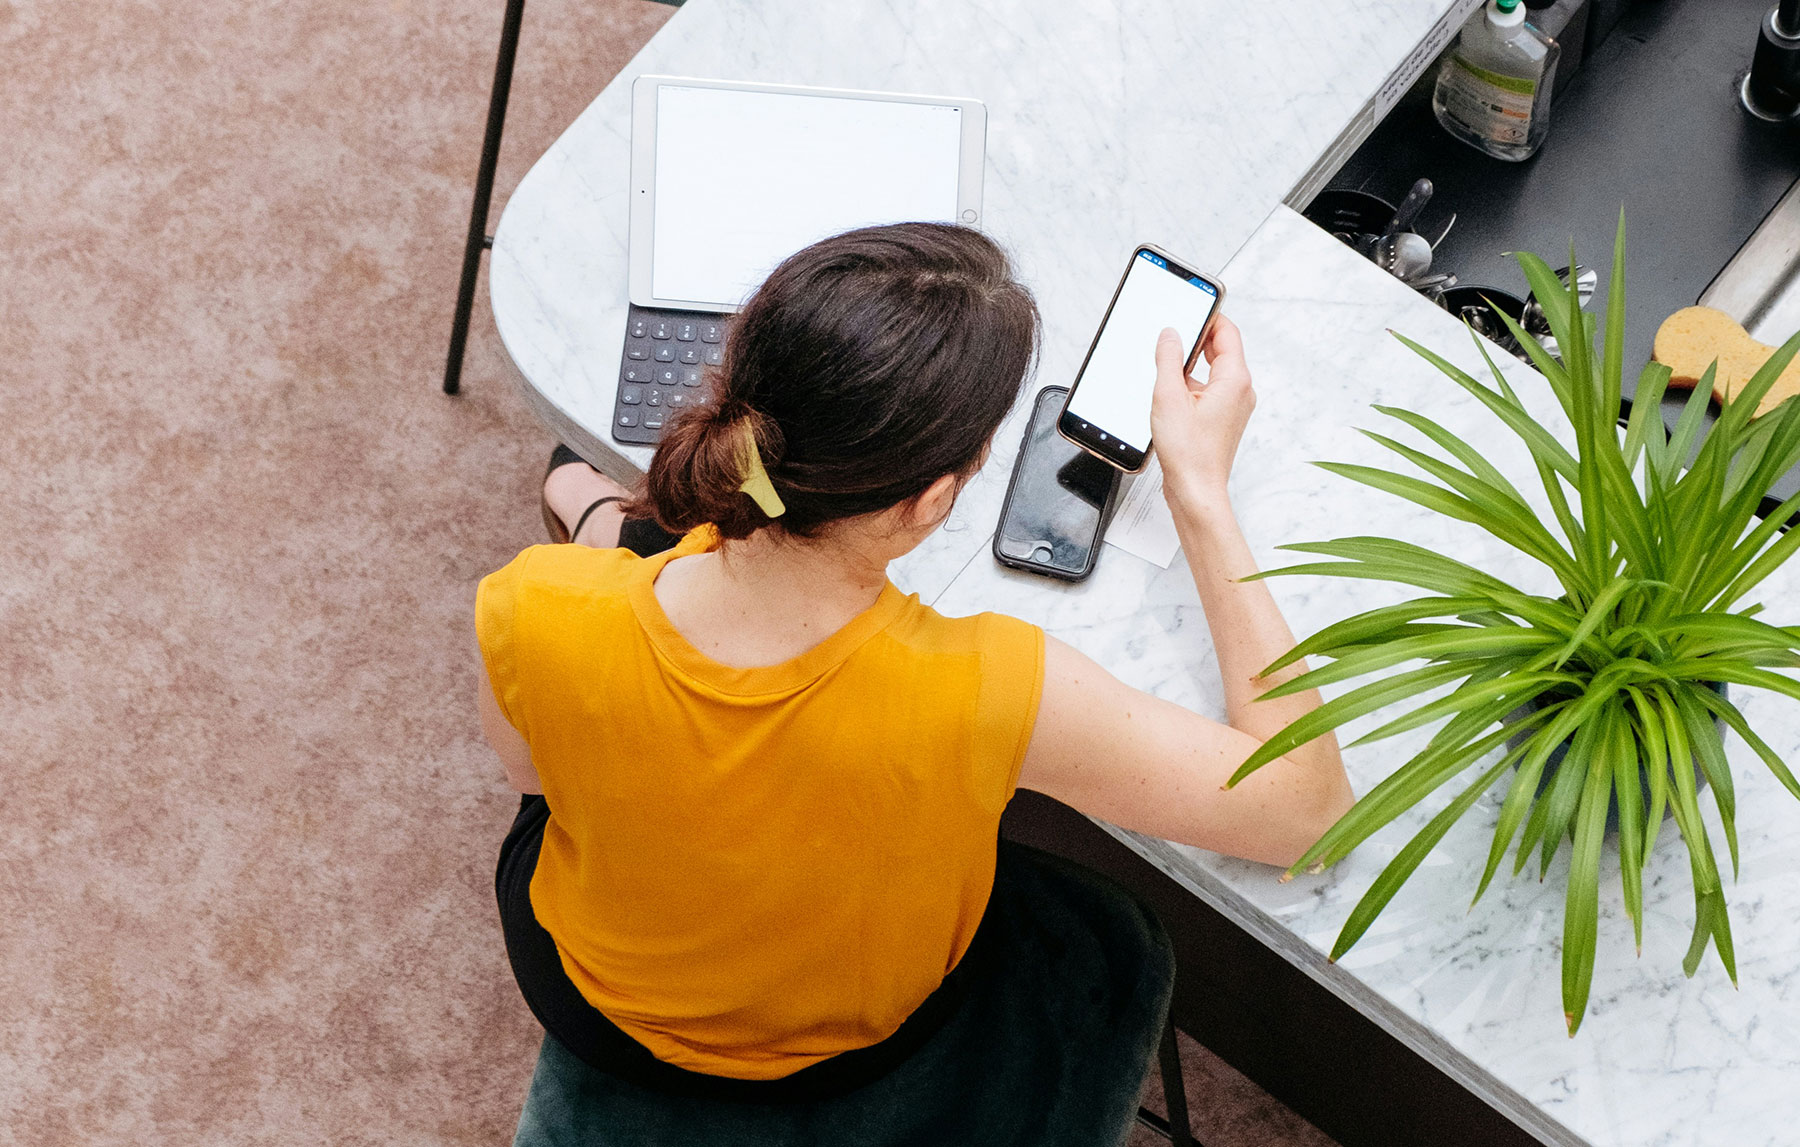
{"x":1660,"y":1059}
{"x":1110,"y":122}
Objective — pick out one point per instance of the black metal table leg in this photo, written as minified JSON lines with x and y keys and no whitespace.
{"x":484,"y":189}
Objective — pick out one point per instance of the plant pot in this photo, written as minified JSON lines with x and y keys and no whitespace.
{"x":1555,"y":760}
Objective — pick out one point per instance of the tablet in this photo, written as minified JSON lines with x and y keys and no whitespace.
{"x":728,"y":179}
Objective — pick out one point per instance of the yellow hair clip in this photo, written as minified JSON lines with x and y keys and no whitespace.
{"x":756,"y":479}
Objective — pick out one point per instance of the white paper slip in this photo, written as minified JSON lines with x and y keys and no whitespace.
{"x":1142,"y":524}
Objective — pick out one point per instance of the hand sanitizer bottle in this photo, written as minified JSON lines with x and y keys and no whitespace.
{"x":1493,"y":90}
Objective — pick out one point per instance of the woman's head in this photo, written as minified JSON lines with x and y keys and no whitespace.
{"x":868,"y":366}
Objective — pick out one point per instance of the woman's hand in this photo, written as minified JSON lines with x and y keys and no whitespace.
{"x":1197,"y":427}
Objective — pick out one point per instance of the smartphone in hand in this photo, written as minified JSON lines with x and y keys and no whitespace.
{"x":1058,"y":502}
{"x":1108,"y":411}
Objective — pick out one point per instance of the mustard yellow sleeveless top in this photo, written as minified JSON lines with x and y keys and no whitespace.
{"x":751,"y":870}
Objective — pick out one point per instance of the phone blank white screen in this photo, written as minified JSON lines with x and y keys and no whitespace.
{"x":745,"y":179}
{"x":1113,"y":392}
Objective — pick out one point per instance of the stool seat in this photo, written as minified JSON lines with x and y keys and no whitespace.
{"x":1049,"y":1048}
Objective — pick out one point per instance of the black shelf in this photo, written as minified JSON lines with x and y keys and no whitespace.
{"x":1651,"y":122}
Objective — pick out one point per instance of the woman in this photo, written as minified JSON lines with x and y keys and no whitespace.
{"x":771,"y":781}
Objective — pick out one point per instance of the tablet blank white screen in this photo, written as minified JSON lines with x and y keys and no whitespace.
{"x":745,"y":179}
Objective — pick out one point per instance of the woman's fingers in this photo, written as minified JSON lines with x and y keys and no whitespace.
{"x":1171,"y":368}
{"x":1224,"y":352}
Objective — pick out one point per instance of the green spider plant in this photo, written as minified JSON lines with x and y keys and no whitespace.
{"x":1652,"y":560}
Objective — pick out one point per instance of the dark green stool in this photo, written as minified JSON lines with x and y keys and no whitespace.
{"x":1048,"y":1049}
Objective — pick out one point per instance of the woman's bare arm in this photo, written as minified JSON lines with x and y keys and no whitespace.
{"x":1146,"y":764}
{"x":1149,"y":765}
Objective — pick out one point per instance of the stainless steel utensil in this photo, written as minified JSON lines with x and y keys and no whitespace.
{"x":1485,"y":324}
{"x":1488,"y":325}
{"x":1586,"y":279}
{"x":1411,"y":256}
{"x":1442,"y":281}
{"x":1410,"y":207}
{"x":1384,"y":249}
{"x":1445,"y":232}
{"x":1537,"y":322}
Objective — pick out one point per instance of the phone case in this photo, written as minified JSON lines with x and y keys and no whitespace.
{"x":1106,"y":511}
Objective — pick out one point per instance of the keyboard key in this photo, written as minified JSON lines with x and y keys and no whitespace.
{"x":677,"y":399}
{"x":637,"y":374}
{"x":690,"y":354}
{"x":715,"y":356}
{"x":631,"y":395}
{"x":637,"y":352}
{"x":669,"y":376}
{"x":653,"y":420}
{"x":628,"y":418}
{"x":640,"y":329}
{"x":687,"y":332}
{"x":665,"y":353}
{"x":654,"y":398}
{"x":711,"y":332}
{"x":662,"y":329}
{"x":690,"y":378}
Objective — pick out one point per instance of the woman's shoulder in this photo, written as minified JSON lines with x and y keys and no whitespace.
{"x":978,"y":632}
{"x":550,"y":565}
{"x":541,"y":575}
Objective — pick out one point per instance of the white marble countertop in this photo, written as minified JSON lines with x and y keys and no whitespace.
{"x":1110,"y":122}
{"x":1660,"y":1059}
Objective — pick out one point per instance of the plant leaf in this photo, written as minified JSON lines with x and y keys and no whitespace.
{"x":1646,"y":425}
{"x":1581,"y":909}
{"x":1502,"y":514}
{"x":1709,"y":897}
{"x":1407,"y":861}
{"x":1470,"y":457}
{"x":1734,"y":720}
{"x":1627,"y":763}
{"x":1524,"y":785}
{"x":1371,"y":625}
{"x":1703,"y":737}
{"x":1359,"y":701}
{"x":1439,"y":646}
{"x":1542,"y":444}
{"x":1655,"y":761}
{"x":1448,"y":754}
{"x":1693,"y":412}
{"x":1517,"y":687}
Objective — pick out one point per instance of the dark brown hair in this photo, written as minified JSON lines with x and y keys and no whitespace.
{"x":868,"y":366}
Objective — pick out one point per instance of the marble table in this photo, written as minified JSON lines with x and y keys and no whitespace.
{"x":1190,"y":124}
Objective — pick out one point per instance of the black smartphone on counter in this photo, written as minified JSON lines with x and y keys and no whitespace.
{"x":1058,"y":502}
{"x":1108,"y":411}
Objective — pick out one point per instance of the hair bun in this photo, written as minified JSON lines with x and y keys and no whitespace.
{"x":695,"y":477}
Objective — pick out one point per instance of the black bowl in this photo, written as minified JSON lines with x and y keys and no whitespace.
{"x":1339,"y":209}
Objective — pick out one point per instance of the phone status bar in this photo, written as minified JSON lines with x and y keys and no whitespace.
{"x":1157,"y":260}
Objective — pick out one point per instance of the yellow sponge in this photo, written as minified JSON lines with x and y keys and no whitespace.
{"x":1693,"y":338}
